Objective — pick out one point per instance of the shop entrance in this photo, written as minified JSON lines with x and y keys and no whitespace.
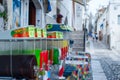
{"x":32,"y":13}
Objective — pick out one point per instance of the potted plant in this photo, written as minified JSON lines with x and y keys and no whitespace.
{"x":59,"y":18}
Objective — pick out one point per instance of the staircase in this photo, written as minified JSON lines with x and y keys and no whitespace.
{"x":78,"y":40}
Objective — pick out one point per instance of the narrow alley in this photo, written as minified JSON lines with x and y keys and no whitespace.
{"x":105,"y":62}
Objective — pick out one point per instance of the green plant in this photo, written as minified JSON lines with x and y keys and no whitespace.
{"x":4,"y":15}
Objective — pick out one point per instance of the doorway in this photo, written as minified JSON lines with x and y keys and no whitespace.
{"x":32,"y":13}
{"x":1,"y":1}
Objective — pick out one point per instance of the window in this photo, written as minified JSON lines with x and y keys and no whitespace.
{"x":119,"y":19}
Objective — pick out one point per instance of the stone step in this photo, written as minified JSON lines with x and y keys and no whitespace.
{"x":76,"y":37}
{"x":78,"y":45}
{"x":78,"y":49}
{"x":78,"y":32}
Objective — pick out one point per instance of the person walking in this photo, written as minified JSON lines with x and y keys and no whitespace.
{"x":96,"y":36}
{"x":93,"y":36}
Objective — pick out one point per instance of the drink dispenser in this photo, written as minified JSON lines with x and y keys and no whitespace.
{"x":19,"y":59}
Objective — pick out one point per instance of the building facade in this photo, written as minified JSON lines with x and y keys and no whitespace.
{"x":109,"y":23}
{"x":114,"y":23}
{"x":21,"y":13}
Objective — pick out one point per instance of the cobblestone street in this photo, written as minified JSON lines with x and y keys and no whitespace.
{"x":105,"y":62}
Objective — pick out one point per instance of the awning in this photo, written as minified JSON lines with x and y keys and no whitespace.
{"x":81,"y":1}
{"x":58,"y":27}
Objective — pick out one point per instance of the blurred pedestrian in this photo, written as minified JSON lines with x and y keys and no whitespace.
{"x":96,"y":36}
{"x":93,"y":36}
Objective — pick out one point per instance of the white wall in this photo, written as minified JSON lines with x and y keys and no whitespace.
{"x":114,"y":11}
{"x":51,"y":16}
{"x":66,"y":10}
{"x":65,"y":7}
{"x":114,"y":1}
{"x":10,"y":10}
{"x":87,"y":23}
{"x":40,"y":21}
{"x":38,"y":17}
{"x":24,"y":12}
{"x":70,"y":10}
{"x":43,"y":20}
{"x":78,"y":16}
{"x":102,"y":20}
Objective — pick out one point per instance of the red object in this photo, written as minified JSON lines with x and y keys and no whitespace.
{"x":49,"y":36}
{"x":42,"y":35}
{"x":24,"y":34}
{"x":51,"y":56}
{"x":62,"y":53}
{"x":48,"y":79}
{"x":36,"y":34}
{"x":15,"y":35}
{"x":41,"y":60}
{"x":65,"y":51}
{"x":53,"y":36}
{"x":61,"y":71}
{"x":44,"y":59}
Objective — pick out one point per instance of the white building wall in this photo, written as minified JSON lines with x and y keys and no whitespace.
{"x":66,"y":9}
{"x":10,"y":10}
{"x":87,"y":23}
{"x":78,"y":16}
{"x":98,"y":25}
{"x":69,"y":7}
{"x":114,"y":1}
{"x":114,"y":11}
{"x":24,"y":12}
{"x":51,"y":16}
{"x":38,"y":17}
{"x":108,"y":21}
{"x":102,"y":20}
{"x":43,"y":19}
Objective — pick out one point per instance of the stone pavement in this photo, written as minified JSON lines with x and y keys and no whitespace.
{"x":105,"y":62}
{"x":97,"y":71}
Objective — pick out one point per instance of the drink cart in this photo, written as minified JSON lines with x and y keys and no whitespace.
{"x":21,"y":53}
{"x":17,"y":57}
